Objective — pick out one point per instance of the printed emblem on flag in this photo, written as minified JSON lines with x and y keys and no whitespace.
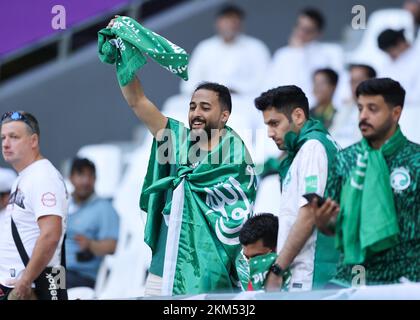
{"x":48,"y":199}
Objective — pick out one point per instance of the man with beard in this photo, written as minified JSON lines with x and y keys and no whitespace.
{"x":373,"y":209}
{"x":198,"y":191}
{"x":92,"y":227}
{"x":309,"y":256}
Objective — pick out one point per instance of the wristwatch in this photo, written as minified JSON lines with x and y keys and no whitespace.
{"x":277,"y":270}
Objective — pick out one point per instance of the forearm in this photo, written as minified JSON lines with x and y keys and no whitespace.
{"x":300,"y":232}
{"x":102,"y":247}
{"x":144,"y":109}
{"x":42,"y":254}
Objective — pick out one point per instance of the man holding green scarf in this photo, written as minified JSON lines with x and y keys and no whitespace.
{"x":198,"y":191}
{"x":258,"y":238}
{"x":310,"y":256}
{"x":374,"y":205}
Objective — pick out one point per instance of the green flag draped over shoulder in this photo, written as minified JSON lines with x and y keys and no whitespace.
{"x":211,"y":199}
{"x":127,"y":43}
{"x":367,"y":222}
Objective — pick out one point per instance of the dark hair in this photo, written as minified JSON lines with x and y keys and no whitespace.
{"x":261,"y":226}
{"x":225,"y":99}
{"x":331,"y":75}
{"x":79,"y":164}
{"x":231,"y":10}
{"x":371,"y":73}
{"x":316,"y":16}
{"x":285,"y":99}
{"x":391,"y":90}
{"x":390,"y":38}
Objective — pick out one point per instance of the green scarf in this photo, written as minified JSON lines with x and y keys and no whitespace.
{"x":127,"y":43}
{"x":367,"y":222}
{"x":209,"y":204}
{"x":252,"y":273}
{"x":312,"y":129}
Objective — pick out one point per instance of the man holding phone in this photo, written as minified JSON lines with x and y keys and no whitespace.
{"x":373,"y":209}
{"x":311,"y":257}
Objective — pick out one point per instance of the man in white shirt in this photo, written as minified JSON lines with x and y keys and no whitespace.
{"x":404,"y":65}
{"x":230,"y":57}
{"x":296,"y":63}
{"x":310,"y":150}
{"x":37,"y":208}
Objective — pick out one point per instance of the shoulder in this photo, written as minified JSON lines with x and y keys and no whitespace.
{"x":43,"y":173}
{"x":410,"y":154}
{"x":283,"y":52}
{"x":313,"y":146}
{"x":252,"y":41}
{"x":207,"y":43}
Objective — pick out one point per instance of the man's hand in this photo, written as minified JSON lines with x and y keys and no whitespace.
{"x":82,"y":241}
{"x":325,"y":216}
{"x":111,"y":23}
{"x":273,"y":282}
{"x":21,"y":291}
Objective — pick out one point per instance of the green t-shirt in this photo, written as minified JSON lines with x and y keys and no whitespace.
{"x":403,"y":260}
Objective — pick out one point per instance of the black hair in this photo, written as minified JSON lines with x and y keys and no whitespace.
{"x":371,"y":73}
{"x":391,"y":90}
{"x":284,"y":99}
{"x":390,"y":38}
{"x":316,"y":16}
{"x":331,"y":75}
{"x":261,"y":226}
{"x":231,"y":10}
{"x":223,"y":92}
{"x":78,"y":164}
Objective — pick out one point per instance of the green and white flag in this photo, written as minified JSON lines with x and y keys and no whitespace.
{"x":128,"y":43}
{"x":211,"y":199}
{"x":253,"y":273}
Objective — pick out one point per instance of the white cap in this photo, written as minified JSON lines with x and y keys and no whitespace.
{"x":7,"y":177}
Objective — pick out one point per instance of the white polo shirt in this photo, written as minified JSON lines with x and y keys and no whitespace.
{"x":308,"y":173}
{"x":38,"y":191}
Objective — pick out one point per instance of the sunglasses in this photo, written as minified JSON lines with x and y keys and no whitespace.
{"x":17,"y":116}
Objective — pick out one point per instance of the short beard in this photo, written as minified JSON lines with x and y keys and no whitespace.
{"x":381,"y":132}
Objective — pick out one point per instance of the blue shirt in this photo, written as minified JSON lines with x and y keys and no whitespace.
{"x":95,"y":219}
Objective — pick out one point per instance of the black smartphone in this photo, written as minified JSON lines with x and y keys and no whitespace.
{"x":84,"y":256}
{"x":311,"y":196}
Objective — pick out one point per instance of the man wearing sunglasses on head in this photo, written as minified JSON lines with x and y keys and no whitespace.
{"x":32,"y":235}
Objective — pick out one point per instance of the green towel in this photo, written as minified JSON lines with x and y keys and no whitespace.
{"x":367,"y":222}
{"x":127,"y":43}
{"x":312,"y":129}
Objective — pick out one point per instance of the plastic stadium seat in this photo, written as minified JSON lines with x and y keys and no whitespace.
{"x":81,"y":293}
{"x":367,"y":51}
{"x":122,"y":275}
{"x":267,"y":199}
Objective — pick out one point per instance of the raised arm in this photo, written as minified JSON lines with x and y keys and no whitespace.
{"x":144,"y":109}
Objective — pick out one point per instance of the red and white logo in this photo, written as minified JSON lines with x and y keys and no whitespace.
{"x":48,"y":199}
